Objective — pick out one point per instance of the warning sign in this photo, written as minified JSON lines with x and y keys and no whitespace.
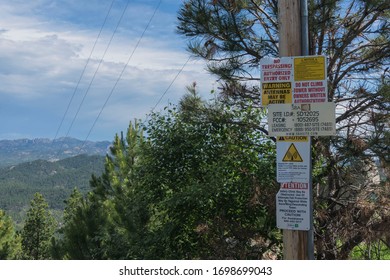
{"x":276,"y":80}
{"x":309,"y":68}
{"x":292,"y":206}
{"x":292,"y":138}
{"x":292,"y":155}
{"x":276,"y":93}
{"x":300,"y":79}
{"x":292,"y":159}
{"x":310,"y":92}
{"x":317,"y":119}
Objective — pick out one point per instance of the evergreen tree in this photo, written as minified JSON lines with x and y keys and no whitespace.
{"x":10,"y":243}
{"x":100,"y":226}
{"x":199,"y":186}
{"x":232,"y":36}
{"x":38,"y":230}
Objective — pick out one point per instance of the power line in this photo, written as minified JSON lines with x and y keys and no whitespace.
{"x":123,"y":70}
{"x":97,"y":69}
{"x":85,"y":67}
{"x":168,"y":88}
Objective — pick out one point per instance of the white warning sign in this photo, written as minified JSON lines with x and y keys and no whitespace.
{"x":292,"y":159}
{"x":293,"y":206}
{"x":316,"y":119}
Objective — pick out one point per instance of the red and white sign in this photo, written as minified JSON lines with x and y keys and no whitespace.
{"x":310,"y":80}
{"x":277,"y":70}
{"x":310,"y":92}
{"x":293,"y":206}
{"x":295,"y":79}
{"x":276,"y":80}
{"x":295,"y":186}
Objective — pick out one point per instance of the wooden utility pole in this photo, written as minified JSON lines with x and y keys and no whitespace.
{"x":295,"y":243}
{"x":289,"y":28}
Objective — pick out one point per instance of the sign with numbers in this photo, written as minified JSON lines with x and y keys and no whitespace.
{"x":316,"y":119}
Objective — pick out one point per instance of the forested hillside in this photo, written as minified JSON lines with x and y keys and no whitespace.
{"x":54,"y":180}
{"x":198,"y":179}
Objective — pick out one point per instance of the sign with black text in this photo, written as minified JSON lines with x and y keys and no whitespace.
{"x":292,"y":159}
{"x":316,"y":119}
{"x":296,"y":79}
{"x":292,"y":206}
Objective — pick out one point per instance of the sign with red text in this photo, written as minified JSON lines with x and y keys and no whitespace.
{"x":276,"y":80}
{"x":310,"y":85}
{"x":293,"y":80}
{"x":293,"y":207}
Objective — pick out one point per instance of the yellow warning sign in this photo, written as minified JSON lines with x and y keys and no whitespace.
{"x":292,"y":155}
{"x":276,"y":93}
{"x":292,"y":138}
{"x":309,"y":68}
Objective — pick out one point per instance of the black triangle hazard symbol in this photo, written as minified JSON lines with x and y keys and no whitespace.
{"x":292,"y":155}
{"x":280,"y":138}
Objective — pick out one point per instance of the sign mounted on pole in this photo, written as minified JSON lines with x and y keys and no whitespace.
{"x":310,"y":81}
{"x":316,"y":119}
{"x":299,"y":79}
{"x":292,"y":206}
{"x":276,"y":80}
{"x":292,"y":159}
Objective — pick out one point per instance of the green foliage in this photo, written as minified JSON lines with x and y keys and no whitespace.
{"x":201,"y":185}
{"x":38,"y":230}
{"x":98,"y":226}
{"x":377,"y":250}
{"x":10,"y":242}
{"x":54,"y":180}
{"x":210,"y":183}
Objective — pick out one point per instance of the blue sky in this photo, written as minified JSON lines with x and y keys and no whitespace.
{"x":45,"y":45}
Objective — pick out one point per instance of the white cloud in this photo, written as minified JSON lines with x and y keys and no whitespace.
{"x":43,"y":54}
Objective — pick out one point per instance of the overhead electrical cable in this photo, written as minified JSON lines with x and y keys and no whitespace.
{"x":168,"y":88}
{"x":122,"y":72}
{"x":83,"y":72}
{"x":170,"y":85}
{"x":98,"y":67}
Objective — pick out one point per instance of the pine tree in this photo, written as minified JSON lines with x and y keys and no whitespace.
{"x":232,"y":36}
{"x":103,"y":224}
{"x":38,"y":230}
{"x":10,"y":243}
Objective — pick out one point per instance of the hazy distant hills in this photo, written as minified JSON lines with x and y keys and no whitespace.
{"x":24,"y":150}
{"x":53,"y":168}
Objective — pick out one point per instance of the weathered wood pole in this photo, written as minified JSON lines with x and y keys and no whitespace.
{"x":295,"y":242}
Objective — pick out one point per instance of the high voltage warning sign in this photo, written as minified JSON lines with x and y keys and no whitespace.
{"x":292,"y":155}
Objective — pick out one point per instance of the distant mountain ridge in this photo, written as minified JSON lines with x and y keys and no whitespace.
{"x":13,"y":152}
